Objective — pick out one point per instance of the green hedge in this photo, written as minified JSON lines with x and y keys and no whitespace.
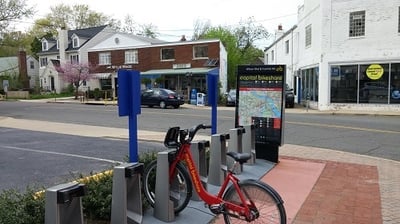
{"x":28,"y":207}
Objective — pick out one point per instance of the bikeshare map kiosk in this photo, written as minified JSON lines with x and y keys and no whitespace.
{"x":260,"y":98}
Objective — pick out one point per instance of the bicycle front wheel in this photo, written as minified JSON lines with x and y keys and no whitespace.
{"x":180,"y":189}
{"x":268,"y":205}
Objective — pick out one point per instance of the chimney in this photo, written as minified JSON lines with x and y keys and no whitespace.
{"x":62,"y":43}
{"x":23,"y":69}
{"x":183,"y":38}
{"x":279,"y":32}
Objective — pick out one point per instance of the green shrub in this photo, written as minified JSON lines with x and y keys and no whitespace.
{"x":21,"y":207}
{"x":29,"y":207}
{"x":97,"y":201}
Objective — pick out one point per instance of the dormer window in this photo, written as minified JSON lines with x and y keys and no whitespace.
{"x":45,"y":45}
{"x":75,"y":41}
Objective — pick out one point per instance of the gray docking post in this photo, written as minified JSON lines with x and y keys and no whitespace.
{"x":126,"y":206}
{"x":164,"y":207}
{"x":218,"y":168}
{"x":235,"y":145}
{"x":64,"y":204}
{"x":199,"y":156}
{"x":249,"y":142}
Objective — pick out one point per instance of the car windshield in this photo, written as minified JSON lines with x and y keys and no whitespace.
{"x":169,"y":91}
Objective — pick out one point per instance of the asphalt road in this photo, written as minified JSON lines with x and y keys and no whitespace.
{"x":36,"y":158}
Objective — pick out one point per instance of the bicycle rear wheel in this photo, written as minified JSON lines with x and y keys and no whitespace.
{"x":180,"y":189}
{"x":268,"y":204}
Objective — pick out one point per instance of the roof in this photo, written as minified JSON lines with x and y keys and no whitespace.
{"x":8,"y":64}
{"x":87,"y":33}
{"x":281,"y":37}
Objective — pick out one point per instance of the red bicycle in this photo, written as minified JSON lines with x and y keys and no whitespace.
{"x":237,"y":200}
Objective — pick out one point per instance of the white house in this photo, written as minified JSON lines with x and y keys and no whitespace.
{"x":342,"y":54}
{"x":10,"y":66}
{"x":70,"y":45}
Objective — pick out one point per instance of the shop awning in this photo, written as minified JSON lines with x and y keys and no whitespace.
{"x":185,"y":71}
{"x":102,"y":76}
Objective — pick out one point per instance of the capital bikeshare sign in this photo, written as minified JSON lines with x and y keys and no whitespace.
{"x":261,"y":103}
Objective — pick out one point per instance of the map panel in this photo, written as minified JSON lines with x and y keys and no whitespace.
{"x":259,"y":102}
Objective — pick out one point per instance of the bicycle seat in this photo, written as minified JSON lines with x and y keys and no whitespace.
{"x":239,"y":157}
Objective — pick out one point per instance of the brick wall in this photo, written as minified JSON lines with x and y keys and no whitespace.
{"x":150,"y":57}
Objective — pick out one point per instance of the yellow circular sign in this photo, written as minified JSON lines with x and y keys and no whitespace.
{"x":374,"y":71}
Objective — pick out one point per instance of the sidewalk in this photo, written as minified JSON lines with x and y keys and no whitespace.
{"x":296,"y":109}
{"x":318,"y":185}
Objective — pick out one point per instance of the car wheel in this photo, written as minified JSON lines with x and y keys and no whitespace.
{"x":162,"y":105}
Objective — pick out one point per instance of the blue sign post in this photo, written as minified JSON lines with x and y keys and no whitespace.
{"x":129,"y":105}
{"x":212,"y":87}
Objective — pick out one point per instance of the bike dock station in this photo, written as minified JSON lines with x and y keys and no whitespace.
{"x":199,"y":149}
{"x":164,"y":207}
{"x":64,"y":204}
{"x":218,"y":166}
{"x":235,"y":145}
{"x":126,"y":204}
{"x":249,"y":142}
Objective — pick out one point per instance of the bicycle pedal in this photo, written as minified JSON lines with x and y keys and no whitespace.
{"x":216,"y":208}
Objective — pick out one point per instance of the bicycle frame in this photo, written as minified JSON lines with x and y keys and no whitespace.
{"x":184,"y":154}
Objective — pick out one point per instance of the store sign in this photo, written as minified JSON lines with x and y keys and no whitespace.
{"x":374,"y":71}
{"x":181,"y":66}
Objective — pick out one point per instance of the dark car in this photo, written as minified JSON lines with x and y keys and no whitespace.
{"x":289,"y":97}
{"x":161,"y":97}
{"x":231,"y":98}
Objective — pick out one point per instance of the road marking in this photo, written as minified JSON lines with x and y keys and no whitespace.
{"x":343,"y":127}
{"x":63,"y":154}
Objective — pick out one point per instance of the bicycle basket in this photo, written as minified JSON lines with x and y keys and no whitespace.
{"x":171,"y":138}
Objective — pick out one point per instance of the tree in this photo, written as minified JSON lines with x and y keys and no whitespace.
{"x":12,"y":42}
{"x":76,"y":74}
{"x":11,"y":10}
{"x":239,"y":43}
{"x":146,"y":30}
{"x":71,"y":17}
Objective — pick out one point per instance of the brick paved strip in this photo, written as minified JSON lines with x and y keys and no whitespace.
{"x":344,"y":193}
{"x":388,"y":172}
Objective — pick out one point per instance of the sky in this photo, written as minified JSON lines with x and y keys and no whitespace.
{"x":174,"y":18}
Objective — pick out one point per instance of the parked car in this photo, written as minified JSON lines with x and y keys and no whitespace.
{"x":231,"y":98}
{"x":161,"y":97}
{"x":289,"y":96}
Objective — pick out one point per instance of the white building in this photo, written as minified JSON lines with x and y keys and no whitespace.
{"x":10,"y":66}
{"x":343,"y":54}
{"x":69,"y":46}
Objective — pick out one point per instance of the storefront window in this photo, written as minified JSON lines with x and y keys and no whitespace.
{"x":374,"y":82}
{"x":344,"y":84}
{"x":309,"y":84}
{"x":395,"y":84}
{"x":367,"y":83}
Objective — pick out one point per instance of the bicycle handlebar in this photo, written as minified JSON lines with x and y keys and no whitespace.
{"x":192,"y":131}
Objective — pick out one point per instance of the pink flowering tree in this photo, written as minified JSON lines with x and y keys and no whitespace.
{"x":76,"y":74}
